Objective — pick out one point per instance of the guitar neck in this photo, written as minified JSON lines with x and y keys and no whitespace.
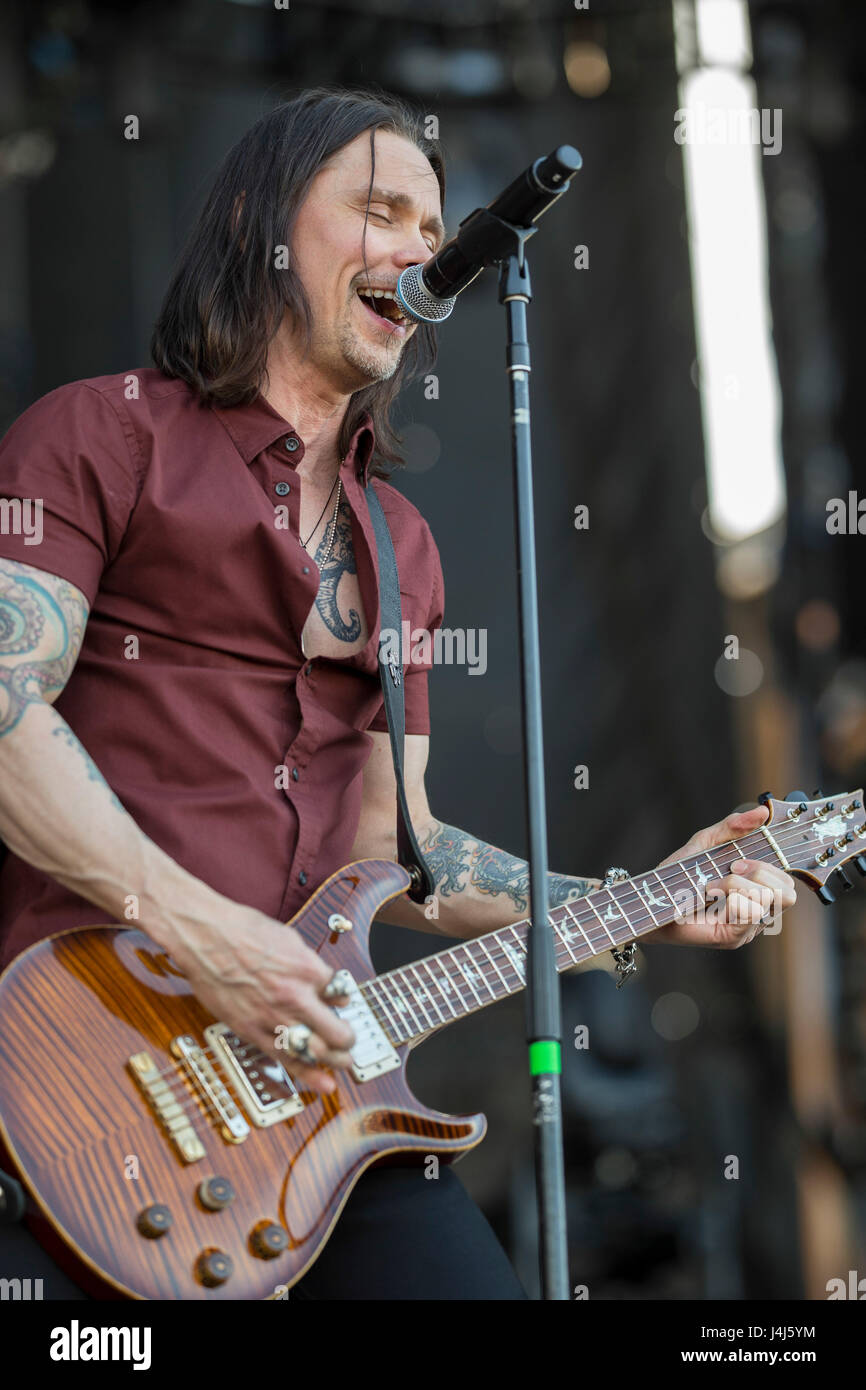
{"x":421,"y":998}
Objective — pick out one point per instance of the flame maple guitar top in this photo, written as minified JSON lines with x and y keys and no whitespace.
{"x":94,"y":1151}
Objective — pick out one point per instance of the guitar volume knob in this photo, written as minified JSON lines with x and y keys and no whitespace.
{"x":214,"y":1267}
{"x":268,"y":1240}
{"x":154,"y":1221}
{"x":216,"y":1193}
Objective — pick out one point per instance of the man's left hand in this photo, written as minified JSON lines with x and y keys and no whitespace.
{"x":739,"y":906}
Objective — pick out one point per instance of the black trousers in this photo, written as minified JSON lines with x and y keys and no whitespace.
{"x":401,"y":1236}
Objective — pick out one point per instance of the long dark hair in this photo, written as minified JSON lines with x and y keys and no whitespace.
{"x":227,"y":299}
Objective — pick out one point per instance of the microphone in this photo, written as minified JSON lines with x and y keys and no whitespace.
{"x":427,"y":292}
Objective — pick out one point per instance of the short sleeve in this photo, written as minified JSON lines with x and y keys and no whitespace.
{"x":418,"y":652}
{"x":68,"y":485}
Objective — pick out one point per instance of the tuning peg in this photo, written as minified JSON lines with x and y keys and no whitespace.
{"x":825,"y":896}
{"x":796,"y":796}
{"x":860,"y":864}
{"x":845,"y":882}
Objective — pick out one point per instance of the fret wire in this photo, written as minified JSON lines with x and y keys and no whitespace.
{"x":572,"y":913}
{"x":476,"y":966}
{"x":595,"y":948}
{"x":698,"y":891}
{"x":666,"y":890}
{"x":564,"y":939}
{"x":401,"y":983}
{"x":492,"y":960}
{"x":480,"y":965}
{"x":431,"y":996}
{"x":445,"y":993}
{"x":402,"y":1021}
{"x":419,"y":998}
{"x":601,"y":920}
{"x":622,"y":912}
{"x":413,"y":997}
{"x":453,"y":956}
{"x":456,"y":982}
{"x":519,"y":970}
{"x":506,"y":963}
{"x":647,"y":903}
{"x":380,"y":1012}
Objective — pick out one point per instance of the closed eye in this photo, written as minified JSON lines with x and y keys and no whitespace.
{"x":389,"y":222}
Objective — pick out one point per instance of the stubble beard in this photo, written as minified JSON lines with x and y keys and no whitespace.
{"x":373,"y":366}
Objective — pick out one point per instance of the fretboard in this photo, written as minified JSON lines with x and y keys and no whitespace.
{"x":422,"y":997}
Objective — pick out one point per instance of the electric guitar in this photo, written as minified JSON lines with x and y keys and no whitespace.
{"x":163,"y":1158}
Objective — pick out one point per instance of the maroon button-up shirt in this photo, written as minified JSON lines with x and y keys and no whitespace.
{"x":191,"y":691}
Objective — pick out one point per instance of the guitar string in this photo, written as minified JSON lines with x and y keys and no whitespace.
{"x":676,"y":870}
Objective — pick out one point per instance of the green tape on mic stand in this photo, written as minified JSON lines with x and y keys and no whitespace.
{"x":545,"y":1058}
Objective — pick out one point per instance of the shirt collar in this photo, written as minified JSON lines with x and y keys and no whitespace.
{"x":256,"y":426}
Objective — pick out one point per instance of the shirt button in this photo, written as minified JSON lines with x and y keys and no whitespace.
{"x":282,"y":488}
{"x":295,"y":774}
{"x":302,"y":878}
{"x":309,"y":668}
{"x":293,"y":443}
{"x":306,"y":569}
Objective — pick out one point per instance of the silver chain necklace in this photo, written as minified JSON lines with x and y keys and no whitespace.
{"x":327,"y":554}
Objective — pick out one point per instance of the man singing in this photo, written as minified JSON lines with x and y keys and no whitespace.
{"x":201,"y":613}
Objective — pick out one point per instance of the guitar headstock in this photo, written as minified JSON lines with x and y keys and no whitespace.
{"x":818,"y":837}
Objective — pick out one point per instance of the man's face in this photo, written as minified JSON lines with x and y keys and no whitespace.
{"x":352,"y":344}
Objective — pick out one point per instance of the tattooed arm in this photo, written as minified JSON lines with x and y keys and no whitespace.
{"x":57,"y":812}
{"x":478,"y":887}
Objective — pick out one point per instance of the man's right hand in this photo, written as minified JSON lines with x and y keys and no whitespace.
{"x":257,"y":976}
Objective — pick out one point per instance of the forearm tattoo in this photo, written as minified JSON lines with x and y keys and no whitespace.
{"x":341,"y":561}
{"x":40,"y":634}
{"x":93,"y":773}
{"x":458,"y":861}
{"x":42,"y":624}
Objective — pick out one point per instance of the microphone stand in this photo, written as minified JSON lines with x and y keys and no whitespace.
{"x":496,"y":241}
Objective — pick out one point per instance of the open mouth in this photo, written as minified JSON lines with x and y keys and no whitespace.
{"x":384,"y":307}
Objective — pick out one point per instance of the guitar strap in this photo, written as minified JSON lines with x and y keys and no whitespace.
{"x":391,"y":677}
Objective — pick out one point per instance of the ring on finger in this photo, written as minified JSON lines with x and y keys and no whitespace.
{"x":339,"y":984}
{"x":298,"y":1044}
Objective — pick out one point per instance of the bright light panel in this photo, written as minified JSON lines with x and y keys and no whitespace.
{"x":728,"y":246}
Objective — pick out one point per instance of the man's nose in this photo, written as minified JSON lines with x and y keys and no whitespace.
{"x":414,"y":250}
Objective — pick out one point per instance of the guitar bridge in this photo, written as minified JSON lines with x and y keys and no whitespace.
{"x":167,"y":1107}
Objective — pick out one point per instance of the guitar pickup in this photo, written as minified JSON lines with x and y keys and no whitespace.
{"x":372,"y":1054}
{"x":266,"y":1091}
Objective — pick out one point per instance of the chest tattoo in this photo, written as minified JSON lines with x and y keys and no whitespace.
{"x":340,"y":564}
